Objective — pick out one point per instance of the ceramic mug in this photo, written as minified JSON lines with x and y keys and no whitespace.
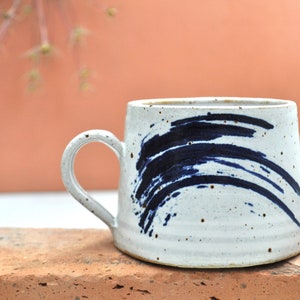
{"x":204,"y":183}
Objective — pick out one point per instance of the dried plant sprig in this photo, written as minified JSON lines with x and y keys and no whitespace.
{"x":77,"y":35}
{"x":39,"y":51}
{"x":44,"y":46}
{"x":42,"y":22}
{"x":34,"y":79}
{"x":8,"y":17}
{"x":84,"y":79}
{"x":111,"y":11}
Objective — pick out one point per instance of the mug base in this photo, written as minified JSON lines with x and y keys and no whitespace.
{"x":203,"y":265}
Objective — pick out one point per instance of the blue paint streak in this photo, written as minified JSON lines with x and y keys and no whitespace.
{"x":226,"y":117}
{"x":169,"y":165}
{"x":156,"y":199}
{"x":265,"y":170}
{"x":182,"y":135}
{"x":237,"y":166}
{"x":167,"y":162}
{"x":167,"y":219}
{"x":174,"y":195}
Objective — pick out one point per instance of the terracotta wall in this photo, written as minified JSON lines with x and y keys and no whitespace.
{"x":148,"y":49}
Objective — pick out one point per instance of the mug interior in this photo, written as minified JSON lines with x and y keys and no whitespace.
{"x":222,"y":102}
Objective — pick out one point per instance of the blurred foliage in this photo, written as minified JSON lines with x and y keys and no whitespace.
{"x":76,"y":34}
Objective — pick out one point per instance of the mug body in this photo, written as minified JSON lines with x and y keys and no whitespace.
{"x":210,"y":182}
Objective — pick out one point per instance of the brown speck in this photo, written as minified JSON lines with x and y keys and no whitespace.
{"x":270,"y":250}
{"x":202,"y":220}
{"x":118,"y":286}
{"x":212,"y":186}
{"x":157,"y":258}
{"x":156,"y":236}
{"x":87,"y":135}
{"x":264,"y":215}
{"x":43,"y":283}
{"x":143,"y":291}
{"x":131,"y":155}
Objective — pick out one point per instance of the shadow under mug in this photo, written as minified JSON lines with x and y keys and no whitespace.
{"x":204,"y":182}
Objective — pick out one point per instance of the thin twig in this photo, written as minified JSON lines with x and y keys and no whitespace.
{"x":42,"y":22}
{"x":8,"y":18}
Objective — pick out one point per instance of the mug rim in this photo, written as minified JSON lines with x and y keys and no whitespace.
{"x":213,"y":102}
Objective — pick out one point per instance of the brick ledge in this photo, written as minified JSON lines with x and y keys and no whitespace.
{"x":84,"y":264}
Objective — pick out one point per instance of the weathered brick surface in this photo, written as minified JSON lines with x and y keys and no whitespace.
{"x":84,"y":264}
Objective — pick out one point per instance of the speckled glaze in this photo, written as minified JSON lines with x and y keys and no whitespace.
{"x":204,"y":183}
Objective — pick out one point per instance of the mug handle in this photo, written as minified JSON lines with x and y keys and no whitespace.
{"x":68,"y":174}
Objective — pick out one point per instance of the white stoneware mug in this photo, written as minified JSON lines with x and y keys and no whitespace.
{"x":204,"y":183}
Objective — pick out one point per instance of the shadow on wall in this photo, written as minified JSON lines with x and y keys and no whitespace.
{"x":141,"y":50}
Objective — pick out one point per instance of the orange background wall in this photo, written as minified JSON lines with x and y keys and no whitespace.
{"x":149,"y":49}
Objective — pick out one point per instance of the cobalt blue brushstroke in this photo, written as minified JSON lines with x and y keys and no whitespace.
{"x":167,"y":162}
{"x":226,"y":117}
{"x":200,"y":131}
{"x":170,"y":164}
{"x":237,"y":166}
{"x":264,"y":169}
{"x":197,"y":131}
{"x":159,"y":199}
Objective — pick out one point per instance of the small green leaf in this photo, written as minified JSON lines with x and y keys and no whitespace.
{"x":5,"y":15}
{"x":78,"y":34}
{"x":45,"y":49}
{"x":111,"y":11}
{"x":84,"y":79}
{"x":34,"y":79}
